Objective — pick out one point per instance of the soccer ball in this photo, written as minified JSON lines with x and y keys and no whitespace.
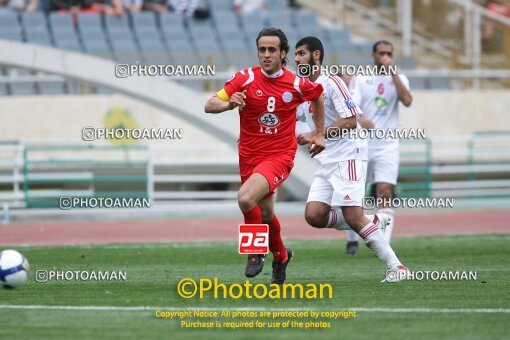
{"x":14,"y":269}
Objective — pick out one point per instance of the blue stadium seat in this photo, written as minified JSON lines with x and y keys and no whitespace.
{"x":72,"y":45}
{"x":90,"y":22}
{"x":170,"y":19}
{"x":182,"y":52}
{"x":305,"y":19}
{"x":222,"y":5}
{"x":40,"y":38}
{"x":273,"y":5}
{"x":154,"y":52}
{"x":344,"y":46}
{"x":143,"y":19}
{"x":253,"y":21}
{"x":364,"y":48}
{"x":97,"y":47}
{"x":222,"y":18}
{"x":175,"y":33}
{"x":8,"y":20}
{"x":338,"y":35}
{"x":126,"y":52}
{"x":280,"y":19}
{"x":35,"y":19}
{"x":11,"y":34}
{"x":60,"y":20}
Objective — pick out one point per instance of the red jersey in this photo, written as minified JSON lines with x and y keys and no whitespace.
{"x":268,"y":119}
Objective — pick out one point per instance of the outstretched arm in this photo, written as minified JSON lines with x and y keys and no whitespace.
{"x":221,"y":102}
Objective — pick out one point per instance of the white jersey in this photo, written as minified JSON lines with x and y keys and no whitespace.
{"x":337,"y":104}
{"x":377,"y":96}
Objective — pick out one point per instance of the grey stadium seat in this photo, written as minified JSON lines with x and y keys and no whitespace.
{"x":60,"y":20}
{"x":170,"y":19}
{"x":182,"y":52}
{"x":305,"y":19}
{"x":11,"y":34}
{"x":90,"y":23}
{"x":143,"y":19}
{"x":175,"y":33}
{"x":8,"y":20}
{"x":40,"y":38}
{"x":405,"y":63}
{"x":126,"y":52}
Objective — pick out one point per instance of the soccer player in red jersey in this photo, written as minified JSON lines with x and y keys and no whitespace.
{"x":267,"y":97}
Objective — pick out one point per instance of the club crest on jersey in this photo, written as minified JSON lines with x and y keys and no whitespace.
{"x":349,"y":103}
{"x":259,"y":93}
{"x":269,"y":119}
{"x":287,"y":97}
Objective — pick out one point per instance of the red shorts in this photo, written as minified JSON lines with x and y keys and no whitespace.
{"x":275,"y":170}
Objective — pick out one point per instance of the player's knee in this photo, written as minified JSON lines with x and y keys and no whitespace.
{"x":246,"y":201}
{"x":313,"y":219}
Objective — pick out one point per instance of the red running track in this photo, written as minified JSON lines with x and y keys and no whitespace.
{"x":195,"y":230}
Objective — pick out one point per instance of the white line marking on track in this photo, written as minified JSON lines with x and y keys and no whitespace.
{"x":261,"y":309}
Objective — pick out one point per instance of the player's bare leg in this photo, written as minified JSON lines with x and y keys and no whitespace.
{"x":321,"y":215}
{"x":384,"y":191}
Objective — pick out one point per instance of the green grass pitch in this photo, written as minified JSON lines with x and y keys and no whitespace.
{"x":153,"y":271}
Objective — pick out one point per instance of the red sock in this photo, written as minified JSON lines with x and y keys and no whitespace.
{"x":275,"y":241}
{"x":253,"y":216}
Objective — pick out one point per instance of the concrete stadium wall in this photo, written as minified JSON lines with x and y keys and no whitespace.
{"x":39,"y":118}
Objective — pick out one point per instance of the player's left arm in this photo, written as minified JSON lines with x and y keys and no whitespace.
{"x":317,"y":141}
{"x":404,"y":95}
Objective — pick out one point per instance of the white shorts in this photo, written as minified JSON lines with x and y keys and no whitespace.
{"x":383,"y":165}
{"x":340,"y":184}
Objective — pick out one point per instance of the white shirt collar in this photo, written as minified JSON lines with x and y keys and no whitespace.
{"x":277,"y":74}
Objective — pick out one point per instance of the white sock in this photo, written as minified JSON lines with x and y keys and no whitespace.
{"x":352,"y":236}
{"x":375,"y":240}
{"x":336,"y":220}
{"x":389,"y":227}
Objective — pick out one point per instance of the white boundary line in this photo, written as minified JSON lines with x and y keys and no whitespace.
{"x":260,"y":309}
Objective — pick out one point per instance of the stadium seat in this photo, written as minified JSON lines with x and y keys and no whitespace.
{"x":254,"y":21}
{"x":90,"y":22}
{"x":305,"y":19}
{"x":8,"y":21}
{"x":3,"y":90}
{"x":344,"y":46}
{"x":281,"y":19}
{"x":34,"y":21}
{"x":126,"y":51}
{"x":170,"y":19}
{"x":225,"y":19}
{"x":72,"y":45}
{"x":438,"y":83}
{"x":339,"y":35}
{"x":40,"y":38}
{"x":143,"y":19}
{"x":60,"y":20}
{"x":11,"y":34}
{"x":182,"y":52}
{"x":175,"y":33}
{"x":364,"y":48}
{"x":276,"y":5}
{"x":116,"y":24}
{"x":223,"y":5}
{"x":97,"y":47}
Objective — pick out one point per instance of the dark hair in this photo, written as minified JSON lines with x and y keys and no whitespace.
{"x":276,"y":32}
{"x":384,"y":42}
{"x":312,"y":44}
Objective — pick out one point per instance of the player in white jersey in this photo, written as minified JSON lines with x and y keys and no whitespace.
{"x":338,"y":187}
{"x":378,"y":97}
